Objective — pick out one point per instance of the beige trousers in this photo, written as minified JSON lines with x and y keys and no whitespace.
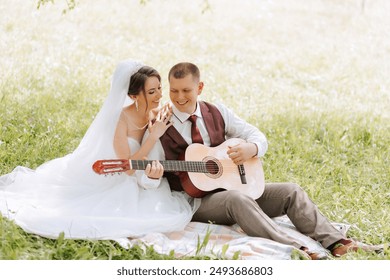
{"x":254,"y":216}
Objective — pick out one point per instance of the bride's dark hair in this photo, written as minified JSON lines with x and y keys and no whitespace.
{"x":138,"y":79}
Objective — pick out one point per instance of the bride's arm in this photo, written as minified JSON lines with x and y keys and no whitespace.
{"x":156,"y":129}
{"x":145,"y":180}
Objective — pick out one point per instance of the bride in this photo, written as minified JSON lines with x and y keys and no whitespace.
{"x":64,"y":195}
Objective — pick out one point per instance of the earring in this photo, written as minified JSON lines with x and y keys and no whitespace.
{"x":136,"y":105}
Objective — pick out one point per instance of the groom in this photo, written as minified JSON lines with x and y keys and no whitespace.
{"x":211,"y":125}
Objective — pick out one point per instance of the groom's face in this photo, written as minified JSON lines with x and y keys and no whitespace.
{"x":184,"y":93}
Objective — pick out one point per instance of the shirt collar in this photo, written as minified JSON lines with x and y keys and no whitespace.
{"x":184,"y":116}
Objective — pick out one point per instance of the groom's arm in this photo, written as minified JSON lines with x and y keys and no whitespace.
{"x":238,"y":128}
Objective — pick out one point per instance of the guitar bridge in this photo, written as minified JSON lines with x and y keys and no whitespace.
{"x":241,"y":171}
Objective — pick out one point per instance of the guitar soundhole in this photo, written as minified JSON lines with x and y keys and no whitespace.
{"x":213,"y":167}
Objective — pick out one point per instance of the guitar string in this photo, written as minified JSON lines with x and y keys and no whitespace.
{"x":196,"y":167}
{"x":202,"y":169}
{"x":212,"y":165}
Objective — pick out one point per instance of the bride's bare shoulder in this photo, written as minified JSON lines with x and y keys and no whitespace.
{"x":126,"y":109}
{"x":127,"y":113}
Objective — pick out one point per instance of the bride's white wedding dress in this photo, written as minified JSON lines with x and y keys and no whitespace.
{"x":65,"y":196}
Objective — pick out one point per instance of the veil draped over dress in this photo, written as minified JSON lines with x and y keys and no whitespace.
{"x":65,"y":195}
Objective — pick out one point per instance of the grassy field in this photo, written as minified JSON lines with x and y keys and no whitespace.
{"x":312,"y":75}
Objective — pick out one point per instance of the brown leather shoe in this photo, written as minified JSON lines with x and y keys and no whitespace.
{"x":341,"y":249}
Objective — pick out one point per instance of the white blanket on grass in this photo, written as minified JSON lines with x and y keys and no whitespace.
{"x":218,"y":241}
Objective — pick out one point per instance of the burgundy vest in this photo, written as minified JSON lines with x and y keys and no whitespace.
{"x":174,"y":145}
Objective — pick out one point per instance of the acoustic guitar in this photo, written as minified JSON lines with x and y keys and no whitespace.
{"x":203,"y":170}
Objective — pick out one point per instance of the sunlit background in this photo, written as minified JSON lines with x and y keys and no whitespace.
{"x":313,"y":75}
{"x":257,"y":54}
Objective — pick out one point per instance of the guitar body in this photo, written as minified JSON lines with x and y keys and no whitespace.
{"x":227,"y":175}
{"x":189,"y":187}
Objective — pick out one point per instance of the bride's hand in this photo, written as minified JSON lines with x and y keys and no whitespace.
{"x":165,"y":109}
{"x":154,"y":170}
{"x":161,"y":122}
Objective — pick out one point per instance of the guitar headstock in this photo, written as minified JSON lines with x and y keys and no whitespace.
{"x":111,"y":166}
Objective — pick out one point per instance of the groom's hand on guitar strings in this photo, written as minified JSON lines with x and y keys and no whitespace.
{"x":242,"y":152}
{"x":154,"y":170}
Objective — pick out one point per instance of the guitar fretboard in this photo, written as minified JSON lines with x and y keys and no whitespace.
{"x":178,"y":165}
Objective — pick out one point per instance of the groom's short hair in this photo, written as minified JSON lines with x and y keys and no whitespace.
{"x":183,"y":69}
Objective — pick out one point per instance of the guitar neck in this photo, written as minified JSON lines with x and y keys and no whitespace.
{"x":172,"y":165}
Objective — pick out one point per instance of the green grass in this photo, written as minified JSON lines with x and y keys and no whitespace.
{"x":312,"y":76}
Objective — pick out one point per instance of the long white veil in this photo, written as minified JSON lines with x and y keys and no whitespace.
{"x":65,"y":195}
{"x":97,"y":142}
